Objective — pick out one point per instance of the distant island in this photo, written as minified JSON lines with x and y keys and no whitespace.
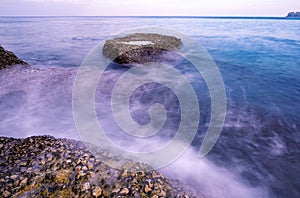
{"x":293,"y":14}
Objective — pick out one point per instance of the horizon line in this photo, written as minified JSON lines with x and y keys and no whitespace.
{"x":147,"y":16}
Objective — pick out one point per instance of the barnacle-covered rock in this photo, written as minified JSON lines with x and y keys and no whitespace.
{"x":8,"y":59}
{"x":43,"y":166}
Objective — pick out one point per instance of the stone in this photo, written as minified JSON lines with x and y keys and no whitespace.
{"x":139,"y":47}
{"x":84,"y":162}
{"x":14,"y":177}
{"x":77,"y":169}
{"x":24,"y":182}
{"x":90,"y":166}
{"x":62,"y":177}
{"x":84,"y":168}
{"x":147,"y":189}
{"x":8,"y":59}
{"x":80,"y":174}
{"x":97,"y":191}
{"x":162,"y":193}
{"x":124,"y":191}
{"x":6,"y":194}
{"x":85,"y":186}
{"x":115,"y":190}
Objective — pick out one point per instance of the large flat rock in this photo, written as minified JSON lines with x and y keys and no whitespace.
{"x":8,"y":59}
{"x":139,"y":47}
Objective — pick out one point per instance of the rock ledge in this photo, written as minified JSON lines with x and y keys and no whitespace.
{"x":8,"y":59}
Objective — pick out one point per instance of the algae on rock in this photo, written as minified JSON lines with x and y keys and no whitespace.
{"x":139,"y":47}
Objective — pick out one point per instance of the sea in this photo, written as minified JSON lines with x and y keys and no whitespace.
{"x":258,"y":151}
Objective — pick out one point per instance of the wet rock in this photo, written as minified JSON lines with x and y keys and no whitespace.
{"x":6,"y":194}
{"x":24,"y":182}
{"x":140,"y":47}
{"x":85,"y":186}
{"x":14,"y":177}
{"x":124,"y":191}
{"x":97,"y":192}
{"x":147,"y":189}
{"x":84,"y":168}
{"x":8,"y":59}
{"x":78,"y":169}
{"x":62,"y":177}
{"x":23,"y":175}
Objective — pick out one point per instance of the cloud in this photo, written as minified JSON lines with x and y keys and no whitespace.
{"x":61,"y":1}
{"x":41,"y":8}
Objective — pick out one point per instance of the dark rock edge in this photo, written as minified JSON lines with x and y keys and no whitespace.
{"x":9,"y":59}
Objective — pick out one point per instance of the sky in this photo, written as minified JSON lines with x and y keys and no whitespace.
{"x":148,"y":7}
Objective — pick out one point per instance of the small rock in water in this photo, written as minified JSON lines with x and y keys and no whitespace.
{"x":140,"y":47}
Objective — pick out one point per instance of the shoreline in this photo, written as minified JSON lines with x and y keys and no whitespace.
{"x":47,"y":166}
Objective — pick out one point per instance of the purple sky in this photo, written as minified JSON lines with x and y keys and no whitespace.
{"x":149,"y":7}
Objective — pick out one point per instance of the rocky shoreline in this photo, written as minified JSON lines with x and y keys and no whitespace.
{"x":8,"y":59}
{"x":43,"y":166}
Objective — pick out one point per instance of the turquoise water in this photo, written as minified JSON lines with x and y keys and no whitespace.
{"x":257,"y":57}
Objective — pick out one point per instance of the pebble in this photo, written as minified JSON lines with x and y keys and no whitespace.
{"x":84,"y":168}
{"x":84,"y":162}
{"x":14,"y":177}
{"x":115,"y":191}
{"x":162,"y":193}
{"x":77,"y":169}
{"x":86,"y":186}
{"x":90,"y":166}
{"x":124,"y":191}
{"x":97,"y":192}
{"x":6,"y":194}
{"x":80,"y":174}
{"x":147,"y":189}
{"x":24,"y":182}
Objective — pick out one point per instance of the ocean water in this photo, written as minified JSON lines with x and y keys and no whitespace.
{"x":257,"y":154}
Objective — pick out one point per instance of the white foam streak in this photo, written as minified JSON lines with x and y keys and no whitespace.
{"x":208,"y":179}
{"x":39,"y":102}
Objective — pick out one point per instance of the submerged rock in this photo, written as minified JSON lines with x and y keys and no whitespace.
{"x":43,"y":166}
{"x":8,"y":59}
{"x":139,"y":47}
